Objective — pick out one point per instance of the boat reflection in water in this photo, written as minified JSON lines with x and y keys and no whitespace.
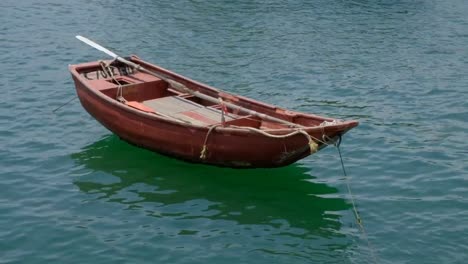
{"x":268,"y":209}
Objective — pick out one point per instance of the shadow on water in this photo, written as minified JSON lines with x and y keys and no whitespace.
{"x":248,"y":197}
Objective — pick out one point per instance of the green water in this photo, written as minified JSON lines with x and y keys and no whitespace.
{"x":71,"y":192}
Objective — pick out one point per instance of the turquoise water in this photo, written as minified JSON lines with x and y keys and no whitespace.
{"x":71,"y":192}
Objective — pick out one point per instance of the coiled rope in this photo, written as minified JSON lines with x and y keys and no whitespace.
{"x":107,"y":68}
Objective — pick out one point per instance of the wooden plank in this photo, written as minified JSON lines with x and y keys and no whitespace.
{"x":195,"y":118}
{"x":171,"y":105}
{"x":186,"y":110}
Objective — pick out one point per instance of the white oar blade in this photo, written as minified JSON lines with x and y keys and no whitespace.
{"x":97,"y":46}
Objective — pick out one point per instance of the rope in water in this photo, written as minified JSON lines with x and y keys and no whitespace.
{"x":313,"y":147}
{"x":356,"y":213}
{"x":53,"y":111}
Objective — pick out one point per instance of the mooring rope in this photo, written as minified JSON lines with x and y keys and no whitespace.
{"x":313,"y":148}
{"x":75,"y":97}
{"x":355,"y":211}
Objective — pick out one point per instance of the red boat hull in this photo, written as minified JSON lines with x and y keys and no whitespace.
{"x":225,"y":146}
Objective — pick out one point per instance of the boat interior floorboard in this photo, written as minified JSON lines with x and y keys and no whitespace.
{"x":186,"y":110}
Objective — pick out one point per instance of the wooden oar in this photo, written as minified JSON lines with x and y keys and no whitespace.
{"x":182,"y":88}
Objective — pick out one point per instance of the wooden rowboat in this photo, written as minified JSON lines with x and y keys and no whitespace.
{"x":162,"y":111}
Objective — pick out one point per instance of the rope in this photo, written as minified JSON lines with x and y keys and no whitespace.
{"x":107,"y":68}
{"x":355,"y":211}
{"x":223,"y":110}
{"x":53,"y":111}
{"x":107,"y":71}
{"x":205,"y":148}
{"x":312,"y":145}
{"x":310,"y":139}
